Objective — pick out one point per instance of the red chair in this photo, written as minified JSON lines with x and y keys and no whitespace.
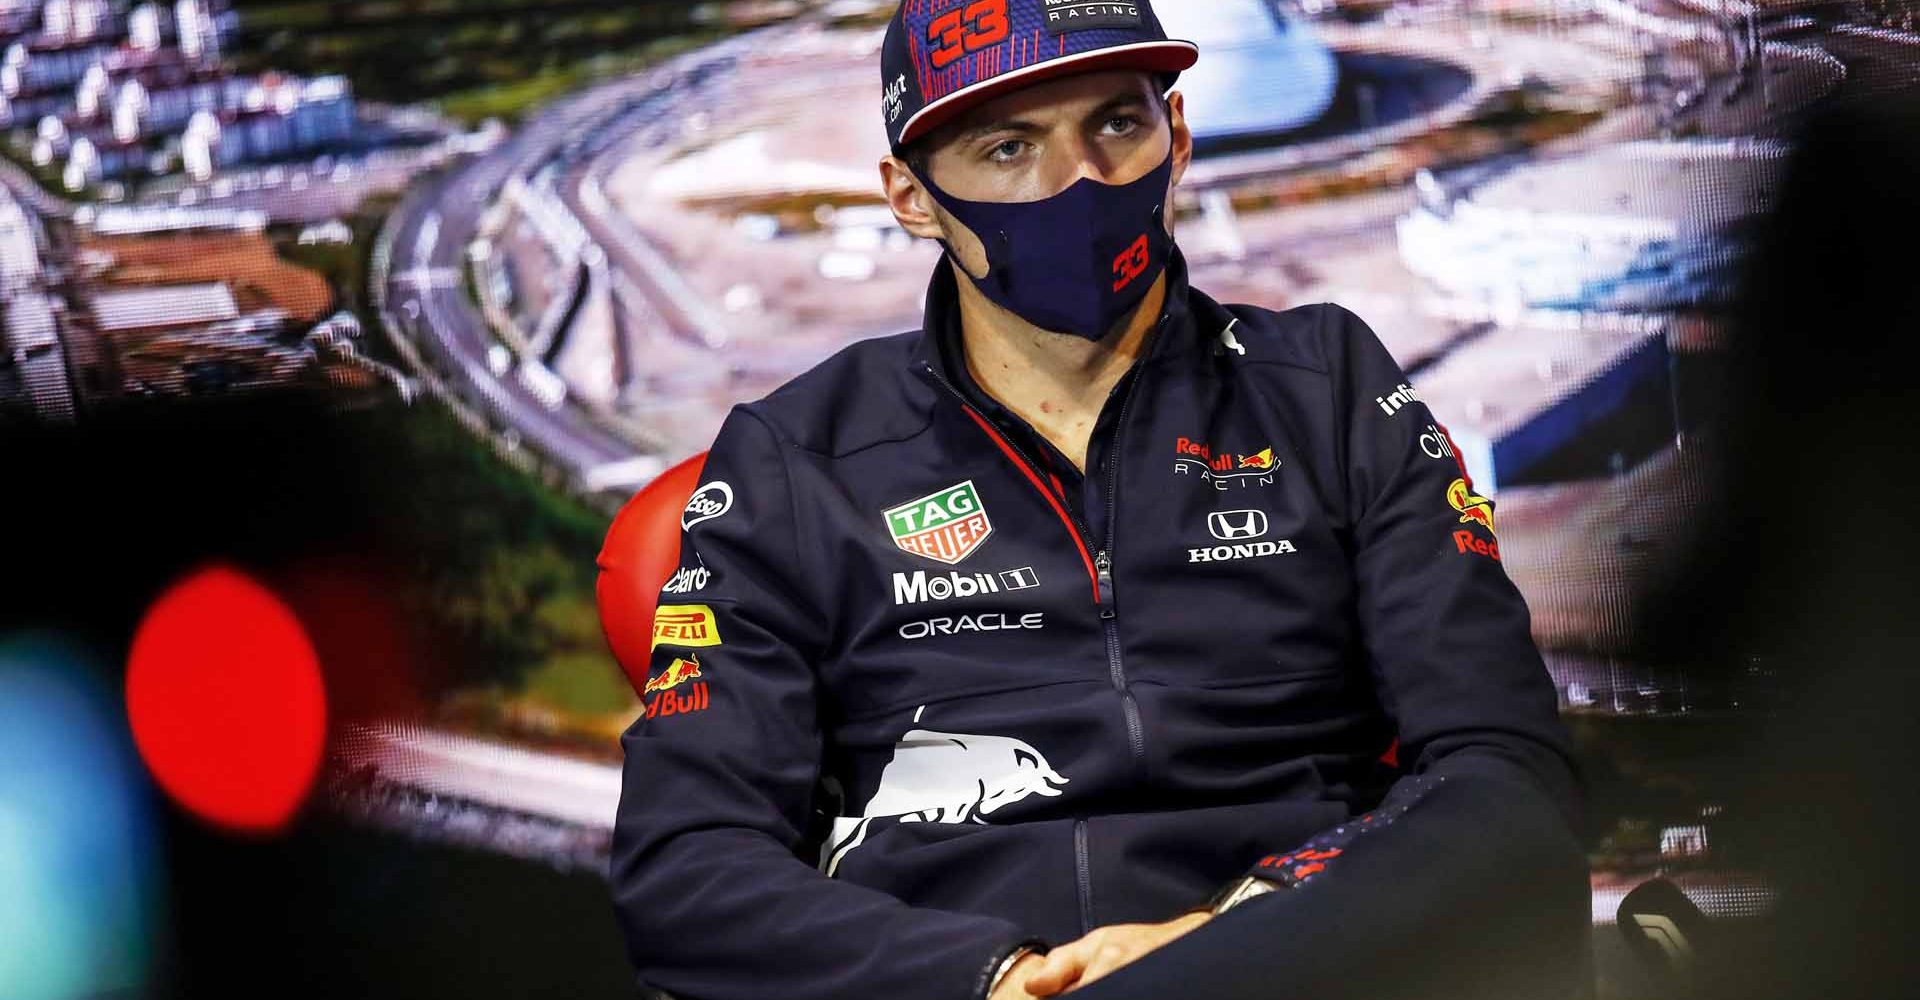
{"x":640,"y":553}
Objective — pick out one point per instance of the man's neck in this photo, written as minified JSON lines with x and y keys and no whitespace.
{"x":1055,"y":382}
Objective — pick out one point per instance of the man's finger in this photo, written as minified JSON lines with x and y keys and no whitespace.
{"x":1061,"y":969}
{"x":1108,"y":959}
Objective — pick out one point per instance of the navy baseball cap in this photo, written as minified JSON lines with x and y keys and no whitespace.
{"x":942,"y":57}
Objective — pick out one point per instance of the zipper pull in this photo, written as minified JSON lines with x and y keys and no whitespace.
{"x":1103,"y":570}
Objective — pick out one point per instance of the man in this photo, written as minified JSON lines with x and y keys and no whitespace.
{"x":1097,"y":626}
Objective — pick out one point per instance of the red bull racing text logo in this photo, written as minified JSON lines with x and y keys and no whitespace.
{"x":947,"y":526}
{"x":1224,"y":470}
{"x":1474,"y":509}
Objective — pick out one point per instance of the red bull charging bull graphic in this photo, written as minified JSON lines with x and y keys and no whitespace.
{"x":666,"y":701}
{"x":1474,"y":509}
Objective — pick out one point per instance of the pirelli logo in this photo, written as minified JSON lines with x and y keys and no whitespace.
{"x":690,"y":625}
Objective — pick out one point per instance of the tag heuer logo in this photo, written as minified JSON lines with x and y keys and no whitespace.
{"x":946,"y":526}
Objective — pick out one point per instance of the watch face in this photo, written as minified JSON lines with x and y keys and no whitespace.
{"x":1245,"y":889}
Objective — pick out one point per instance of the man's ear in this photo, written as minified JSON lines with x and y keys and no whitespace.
{"x":1182,"y":135}
{"x":912,"y":206}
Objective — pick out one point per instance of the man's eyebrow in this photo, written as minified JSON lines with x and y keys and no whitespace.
{"x":1116,"y":103}
{"x":1020,"y":126}
{"x":1015,"y":125}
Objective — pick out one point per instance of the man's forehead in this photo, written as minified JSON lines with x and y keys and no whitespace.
{"x":1071,"y":95}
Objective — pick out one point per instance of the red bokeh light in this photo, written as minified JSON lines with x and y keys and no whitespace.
{"x":226,"y":701}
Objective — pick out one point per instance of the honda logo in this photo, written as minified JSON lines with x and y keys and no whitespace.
{"x":1234,"y":525}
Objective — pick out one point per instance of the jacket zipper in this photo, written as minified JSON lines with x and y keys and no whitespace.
{"x":1103,"y":567}
{"x":1026,"y":465}
{"x":1083,"y":874}
{"x":1100,"y":568}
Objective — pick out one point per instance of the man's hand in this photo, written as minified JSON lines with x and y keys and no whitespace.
{"x":1103,"y":950}
{"x":1013,"y":984}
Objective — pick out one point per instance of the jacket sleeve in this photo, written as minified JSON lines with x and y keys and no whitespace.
{"x":1490,"y":791}
{"x":711,"y":879}
{"x":1448,"y":635}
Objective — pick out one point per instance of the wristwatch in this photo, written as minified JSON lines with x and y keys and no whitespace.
{"x":1006,"y":964}
{"x":1241,"y":891}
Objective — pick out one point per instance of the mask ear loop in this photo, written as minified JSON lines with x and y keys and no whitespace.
{"x":996,"y":272}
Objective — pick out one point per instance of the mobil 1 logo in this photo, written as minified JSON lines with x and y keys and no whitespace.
{"x":921,"y":587}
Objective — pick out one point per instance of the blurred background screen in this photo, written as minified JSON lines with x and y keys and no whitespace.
{"x":333,"y":334}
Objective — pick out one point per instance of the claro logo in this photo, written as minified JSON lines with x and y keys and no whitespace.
{"x":1032,"y":620}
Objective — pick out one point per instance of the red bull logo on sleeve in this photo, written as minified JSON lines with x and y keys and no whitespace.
{"x":1472,"y":506}
{"x":946,"y":527}
{"x":677,"y":673}
{"x":692,"y":696}
{"x":1474,"y":509}
{"x":694,"y":699}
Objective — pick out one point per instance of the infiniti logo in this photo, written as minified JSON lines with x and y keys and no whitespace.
{"x":1234,"y":525}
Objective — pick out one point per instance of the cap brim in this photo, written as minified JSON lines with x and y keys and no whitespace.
{"x":1169,"y":56}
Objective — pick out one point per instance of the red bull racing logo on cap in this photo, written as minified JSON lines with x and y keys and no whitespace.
{"x":946,"y":527}
{"x":1474,"y":509}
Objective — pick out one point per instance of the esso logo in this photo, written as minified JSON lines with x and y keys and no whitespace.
{"x":708,"y":502}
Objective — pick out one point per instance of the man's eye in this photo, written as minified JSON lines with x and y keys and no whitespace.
{"x":1122,"y":124}
{"x":1002,"y":152}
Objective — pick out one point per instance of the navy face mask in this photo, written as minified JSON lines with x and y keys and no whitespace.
{"x":1078,"y":262}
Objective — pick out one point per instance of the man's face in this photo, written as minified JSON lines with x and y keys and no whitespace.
{"x":1036,"y":142}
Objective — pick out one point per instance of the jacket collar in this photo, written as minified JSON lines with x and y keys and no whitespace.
{"x":940,"y":344}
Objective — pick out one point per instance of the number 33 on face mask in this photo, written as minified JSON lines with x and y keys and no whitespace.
{"x":963,"y":30}
{"x":1131,"y":263}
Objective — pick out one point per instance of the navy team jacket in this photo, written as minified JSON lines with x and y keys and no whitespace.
{"x":916,"y":699}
